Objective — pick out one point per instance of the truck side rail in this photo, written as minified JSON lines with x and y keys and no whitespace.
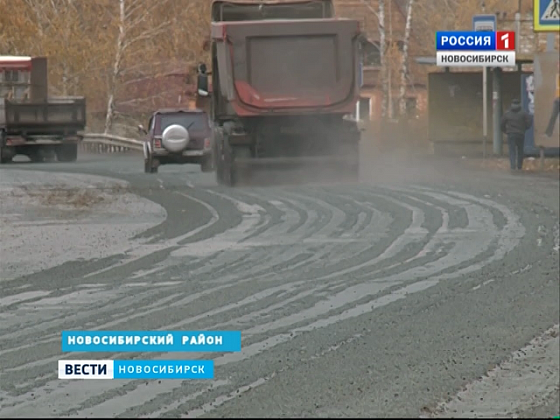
{"x":106,"y":143}
{"x":225,"y":11}
{"x":56,"y":117}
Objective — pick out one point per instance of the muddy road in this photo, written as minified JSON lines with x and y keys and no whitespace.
{"x":378,"y":299}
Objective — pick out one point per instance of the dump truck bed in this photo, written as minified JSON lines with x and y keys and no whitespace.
{"x":281,"y":65}
{"x":224,"y":10}
{"x":57,"y":116}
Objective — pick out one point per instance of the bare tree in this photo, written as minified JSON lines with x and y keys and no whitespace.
{"x":133,"y":28}
{"x":404,"y":63}
{"x":380,"y":15}
{"x":96,"y":51}
{"x":119,"y":51}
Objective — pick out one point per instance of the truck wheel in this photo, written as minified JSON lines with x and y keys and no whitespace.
{"x":4,"y":157}
{"x":220,"y":173}
{"x":147,"y":166}
{"x":227,"y":174}
{"x":207,"y":164}
{"x":155,"y":166}
{"x":150,"y":165}
{"x":67,"y":153}
{"x":235,"y":173}
{"x":219,"y":161}
{"x":36,"y":156}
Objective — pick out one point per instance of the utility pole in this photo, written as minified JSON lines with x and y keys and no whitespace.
{"x":484,"y":101}
{"x":390,"y":68}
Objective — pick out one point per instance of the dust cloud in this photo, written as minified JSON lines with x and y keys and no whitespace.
{"x":392,"y":155}
{"x":388,"y":157}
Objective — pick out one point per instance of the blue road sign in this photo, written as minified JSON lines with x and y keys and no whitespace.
{"x":484,"y":23}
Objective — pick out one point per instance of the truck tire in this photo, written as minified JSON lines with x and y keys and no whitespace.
{"x":236,"y":174}
{"x":230,"y":175}
{"x":227,"y":169}
{"x":207,"y":164}
{"x":150,"y":167}
{"x":218,"y":156}
{"x":36,"y":156}
{"x":4,"y":158}
{"x":67,"y":153}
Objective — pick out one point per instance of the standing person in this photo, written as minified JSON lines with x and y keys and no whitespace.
{"x":515,"y":123}
{"x":555,"y":106}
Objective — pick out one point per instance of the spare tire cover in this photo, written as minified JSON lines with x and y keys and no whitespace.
{"x":175,"y":138}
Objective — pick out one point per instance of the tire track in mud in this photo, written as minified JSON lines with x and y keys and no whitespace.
{"x":77,"y":321}
{"x":287,"y":247}
{"x":405,"y":243}
{"x":286,"y":337}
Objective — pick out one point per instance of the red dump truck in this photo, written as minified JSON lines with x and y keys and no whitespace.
{"x":31,"y":122}
{"x":284,"y":75}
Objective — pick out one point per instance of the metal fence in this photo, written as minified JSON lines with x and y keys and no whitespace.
{"x":107,"y":143}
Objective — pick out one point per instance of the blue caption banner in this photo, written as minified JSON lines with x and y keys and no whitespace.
{"x":465,"y":41}
{"x":136,"y":369}
{"x":151,"y":341}
{"x":163,"y":369}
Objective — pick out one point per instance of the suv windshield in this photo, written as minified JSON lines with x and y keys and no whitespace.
{"x":194,"y":122}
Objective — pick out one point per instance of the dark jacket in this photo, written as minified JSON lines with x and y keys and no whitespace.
{"x":515,"y":120}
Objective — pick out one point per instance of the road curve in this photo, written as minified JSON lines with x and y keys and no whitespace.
{"x":377,"y":299}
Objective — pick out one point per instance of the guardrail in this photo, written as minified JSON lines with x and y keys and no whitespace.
{"x":108,"y":143}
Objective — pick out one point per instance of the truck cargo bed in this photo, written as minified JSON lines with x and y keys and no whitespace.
{"x":57,"y":116}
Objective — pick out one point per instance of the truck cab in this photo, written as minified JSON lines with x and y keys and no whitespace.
{"x":15,"y":77}
{"x":177,"y":136}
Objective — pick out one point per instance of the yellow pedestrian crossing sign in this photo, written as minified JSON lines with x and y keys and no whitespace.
{"x":546,"y":15}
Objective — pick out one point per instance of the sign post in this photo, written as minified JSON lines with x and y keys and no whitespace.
{"x":546,"y":18}
{"x":484,"y":23}
{"x":360,"y":84}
